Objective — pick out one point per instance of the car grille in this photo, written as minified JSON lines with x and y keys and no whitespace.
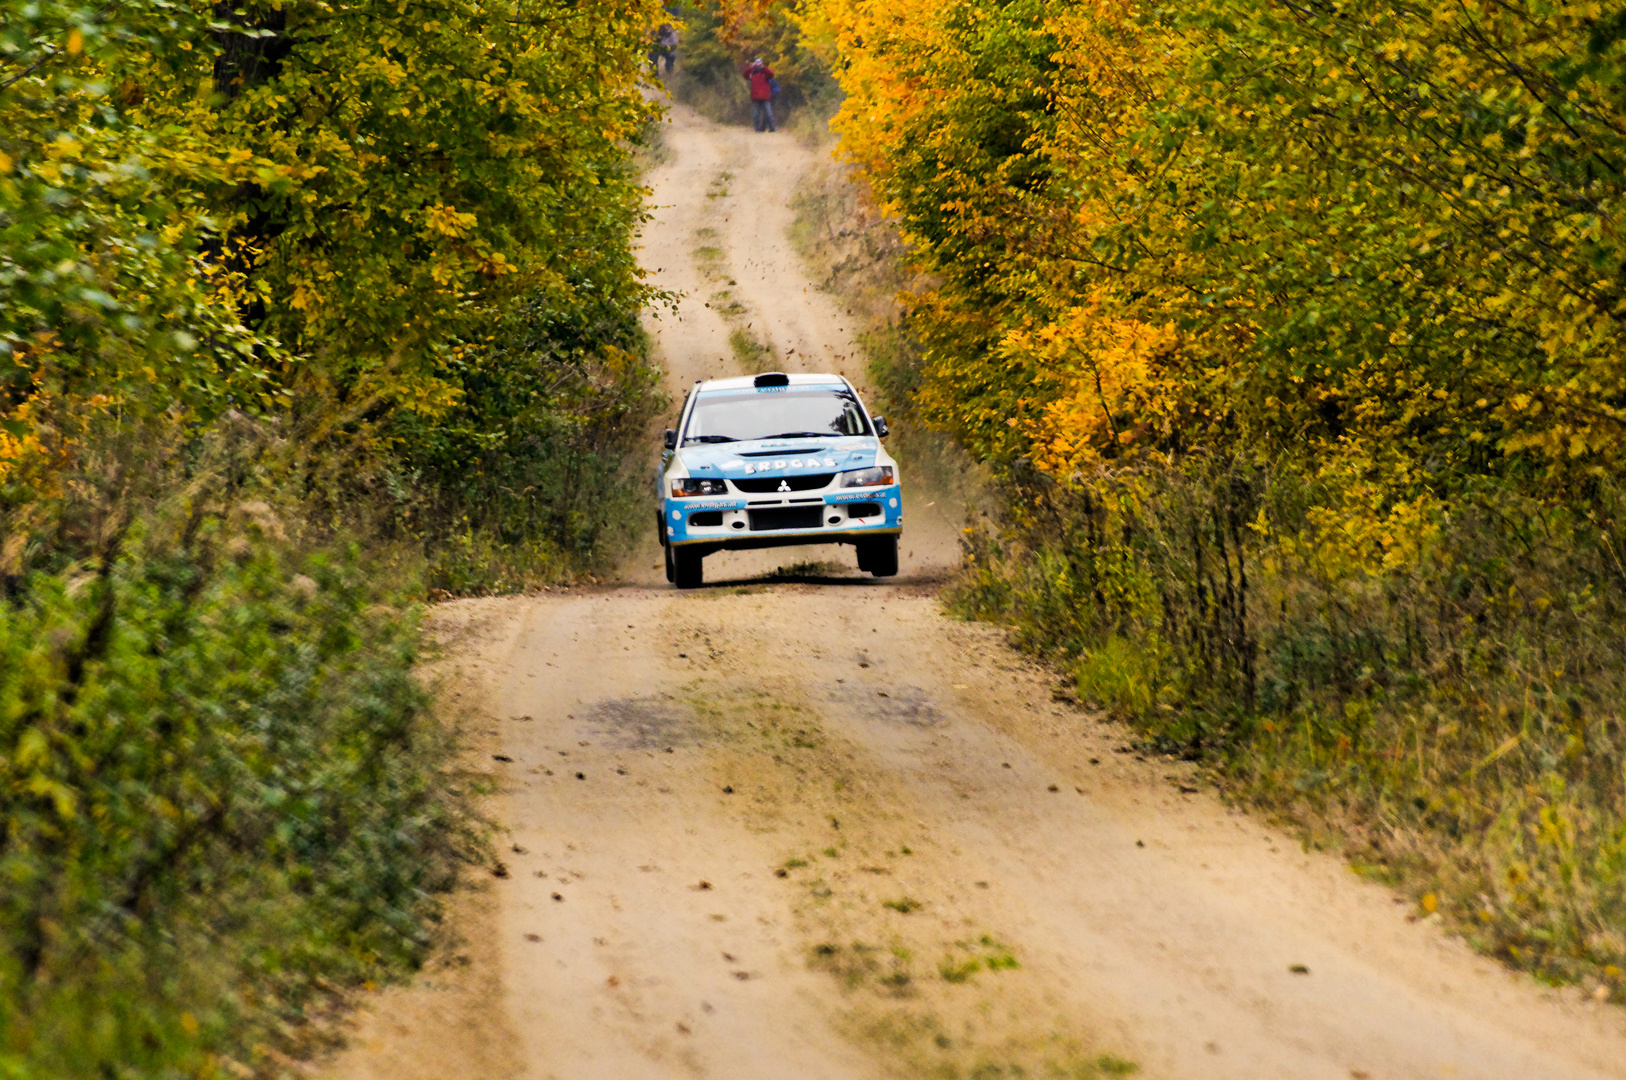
{"x":758,"y":485}
{"x":786,"y":517}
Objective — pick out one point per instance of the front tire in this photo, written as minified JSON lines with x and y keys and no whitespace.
{"x":879,"y":556}
{"x":687,"y":572}
{"x":671,"y":570}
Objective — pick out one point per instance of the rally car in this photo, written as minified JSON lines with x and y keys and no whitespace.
{"x":772,"y":460}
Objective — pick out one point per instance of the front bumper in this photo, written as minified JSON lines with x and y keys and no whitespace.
{"x":737,"y":522}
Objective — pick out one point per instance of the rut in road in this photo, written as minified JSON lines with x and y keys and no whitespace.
{"x":814,"y":828}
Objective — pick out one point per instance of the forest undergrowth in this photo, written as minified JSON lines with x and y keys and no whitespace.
{"x":1453,"y":726}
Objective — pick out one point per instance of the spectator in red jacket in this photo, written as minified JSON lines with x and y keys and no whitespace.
{"x":763,"y":85}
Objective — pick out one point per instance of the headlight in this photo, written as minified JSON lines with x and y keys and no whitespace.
{"x":697,"y":485}
{"x":879,"y":476}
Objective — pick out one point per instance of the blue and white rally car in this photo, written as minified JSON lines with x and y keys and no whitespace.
{"x":774,"y":460}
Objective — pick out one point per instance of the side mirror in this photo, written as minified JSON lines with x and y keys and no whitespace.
{"x":880,"y":426}
{"x":671,"y":439}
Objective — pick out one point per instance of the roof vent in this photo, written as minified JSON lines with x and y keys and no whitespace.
{"x":771,"y":378}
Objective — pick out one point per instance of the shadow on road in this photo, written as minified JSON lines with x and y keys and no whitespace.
{"x":934,"y":578}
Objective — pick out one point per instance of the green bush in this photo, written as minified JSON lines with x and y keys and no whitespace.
{"x":221,"y":793}
{"x":526,"y":478}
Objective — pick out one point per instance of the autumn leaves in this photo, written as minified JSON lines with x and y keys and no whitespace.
{"x":1387,"y":235}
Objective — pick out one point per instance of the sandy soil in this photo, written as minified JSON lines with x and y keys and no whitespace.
{"x":812,"y":828}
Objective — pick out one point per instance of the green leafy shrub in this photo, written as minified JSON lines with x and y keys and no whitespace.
{"x":222,"y":796}
{"x":526,"y":478}
{"x":359,"y":234}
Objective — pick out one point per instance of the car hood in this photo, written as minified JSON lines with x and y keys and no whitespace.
{"x":789,"y":457}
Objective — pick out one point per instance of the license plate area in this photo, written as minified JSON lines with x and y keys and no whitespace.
{"x":771,"y":518}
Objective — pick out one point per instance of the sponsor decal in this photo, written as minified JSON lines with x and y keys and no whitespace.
{"x":752,"y":467}
{"x":729,"y":504}
{"x":861,"y":495}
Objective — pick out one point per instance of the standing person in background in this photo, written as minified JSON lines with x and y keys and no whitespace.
{"x":666,"y":43}
{"x":760,"y":76}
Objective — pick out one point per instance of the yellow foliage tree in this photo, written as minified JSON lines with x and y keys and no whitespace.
{"x":1292,"y":229}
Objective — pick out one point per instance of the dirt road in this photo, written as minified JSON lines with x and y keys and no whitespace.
{"x":811,"y":828}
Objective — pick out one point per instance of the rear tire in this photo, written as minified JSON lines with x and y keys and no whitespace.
{"x":879,"y":556}
{"x":687,"y":572}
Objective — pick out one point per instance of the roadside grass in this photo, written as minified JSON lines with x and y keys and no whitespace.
{"x":705,"y":80}
{"x":751,"y":354}
{"x":651,"y":150}
{"x":1451,"y":723}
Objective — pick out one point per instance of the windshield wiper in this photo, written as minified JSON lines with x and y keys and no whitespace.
{"x":800,"y":435}
{"x":710,"y":438}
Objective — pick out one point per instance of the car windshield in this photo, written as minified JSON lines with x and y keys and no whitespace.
{"x":814,"y":412}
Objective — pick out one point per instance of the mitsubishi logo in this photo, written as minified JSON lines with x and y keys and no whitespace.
{"x":784,"y":485}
